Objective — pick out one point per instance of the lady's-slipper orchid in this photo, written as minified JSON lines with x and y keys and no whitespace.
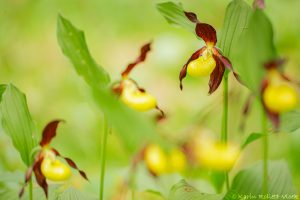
{"x":46,"y":164}
{"x":130,"y":93}
{"x":208,"y":60}
{"x":160,"y":162}
{"x":278,"y":92}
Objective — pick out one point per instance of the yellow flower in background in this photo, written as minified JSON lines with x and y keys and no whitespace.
{"x":159,"y":162}
{"x":215,"y":155}
{"x":177,"y":161}
{"x":155,"y":159}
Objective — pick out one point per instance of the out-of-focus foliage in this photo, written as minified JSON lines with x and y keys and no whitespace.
{"x":31,"y":59}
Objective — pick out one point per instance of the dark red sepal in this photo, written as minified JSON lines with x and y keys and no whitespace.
{"x":217,"y":75}
{"x":39,"y":176}
{"x":192,"y":17}
{"x":207,"y":33}
{"x":246,"y":110}
{"x":144,"y":50}
{"x":195,"y":55}
{"x":71,"y":163}
{"x":275,"y":64}
{"x":29,"y":171}
{"x":273,"y":117}
{"x":260,"y":4}
{"x":49,"y":132}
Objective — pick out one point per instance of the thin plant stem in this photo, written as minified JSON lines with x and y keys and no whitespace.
{"x":30,"y":189}
{"x":224,"y":132}
{"x":103,"y":157}
{"x":265,"y":147}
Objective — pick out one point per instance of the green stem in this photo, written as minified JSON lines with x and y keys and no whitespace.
{"x":265,"y":147}
{"x":103,"y":157}
{"x":30,"y":189}
{"x":224,"y":133}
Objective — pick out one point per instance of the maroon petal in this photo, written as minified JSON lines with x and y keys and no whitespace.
{"x":207,"y":33}
{"x":273,"y":117}
{"x":162,"y":115}
{"x":227,"y":63}
{"x":28,"y":173}
{"x":192,"y":17}
{"x":216,"y":76}
{"x":275,"y":64}
{"x":246,"y":109}
{"x":71,"y":164}
{"x":49,"y":132}
{"x":195,"y":55}
{"x":260,"y":4}
{"x":40,"y":178}
{"x":144,"y":50}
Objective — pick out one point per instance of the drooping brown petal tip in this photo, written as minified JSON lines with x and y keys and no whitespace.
{"x":259,"y":4}
{"x":246,"y":109}
{"x":71,"y":163}
{"x":216,"y":76}
{"x":49,"y":132}
{"x":29,"y":171}
{"x":183,"y":71}
{"x":207,"y":33}
{"x":192,"y":17}
{"x":275,"y":64}
{"x":162,"y":114}
{"x":40,"y":178}
{"x":142,"y":57}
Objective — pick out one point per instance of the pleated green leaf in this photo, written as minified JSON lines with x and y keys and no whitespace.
{"x":251,"y":138}
{"x":133,"y":128}
{"x":249,"y":182}
{"x":17,"y":122}
{"x":254,"y":49}
{"x":184,"y":191}
{"x":290,"y":122}
{"x":174,"y":14}
{"x":236,"y":21}
{"x":73,"y":44}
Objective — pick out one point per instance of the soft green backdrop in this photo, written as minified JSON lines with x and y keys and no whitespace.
{"x":115,"y":30}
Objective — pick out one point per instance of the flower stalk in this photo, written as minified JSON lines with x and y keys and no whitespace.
{"x":224,"y":132}
{"x":265,"y":147}
{"x":30,"y":189}
{"x":103,"y":157}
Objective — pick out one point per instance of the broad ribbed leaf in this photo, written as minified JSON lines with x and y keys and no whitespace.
{"x":72,"y":193}
{"x":72,"y":42}
{"x":236,"y":22}
{"x":254,"y":49}
{"x":290,"y":122}
{"x":174,"y":14}
{"x":132,"y":127}
{"x":17,"y":122}
{"x":251,"y":138}
{"x":184,"y":191}
{"x":249,"y":181}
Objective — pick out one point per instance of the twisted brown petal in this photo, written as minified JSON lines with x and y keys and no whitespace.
{"x":246,"y":109}
{"x":207,"y":33}
{"x":275,"y":64}
{"x":49,"y":132}
{"x":144,"y":50}
{"x":39,"y":176}
{"x":273,"y":117}
{"x":195,"y":55}
{"x":71,"y":164}
{"x":216,"y":76}
{"x":192,"y":17}
{"x":29,"y":171}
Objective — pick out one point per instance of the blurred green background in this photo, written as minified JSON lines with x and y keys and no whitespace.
{"x":115,"y":30}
